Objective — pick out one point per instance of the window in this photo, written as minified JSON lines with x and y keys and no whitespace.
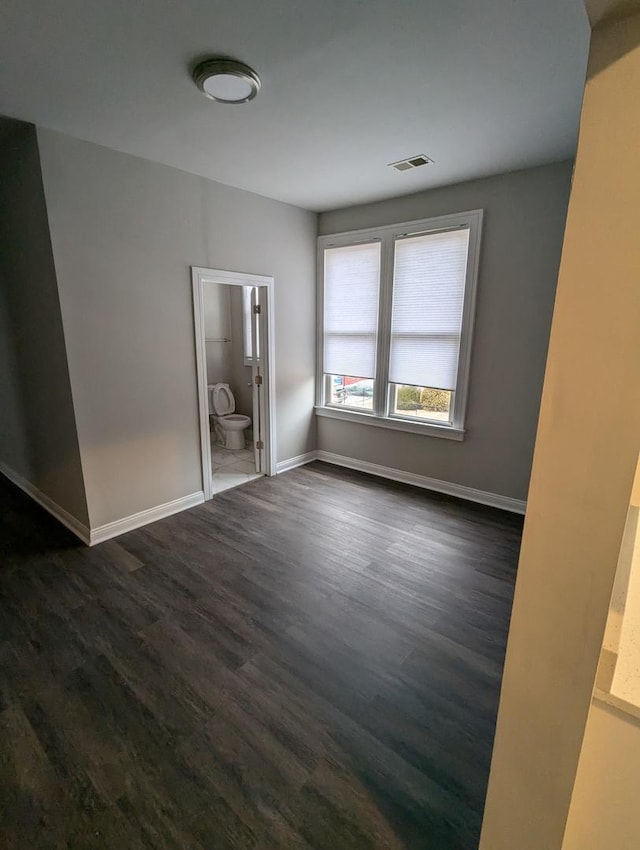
{"x":247,"y":314}
{"x":397,"y":310}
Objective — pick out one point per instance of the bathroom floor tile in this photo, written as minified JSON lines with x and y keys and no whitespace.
{"x":246,"y":466}
{"x":223,"y":457}
{"x":231,"y":467}
{"x":226,"y":480}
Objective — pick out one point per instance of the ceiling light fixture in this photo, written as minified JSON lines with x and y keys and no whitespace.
{"x":226,"y":80}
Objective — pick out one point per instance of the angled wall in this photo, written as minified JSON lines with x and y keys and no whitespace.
{"x":38,"y":439}
{"x":125,"y":232}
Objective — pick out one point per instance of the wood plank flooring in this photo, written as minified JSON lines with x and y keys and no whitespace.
{"x":308,"y":661}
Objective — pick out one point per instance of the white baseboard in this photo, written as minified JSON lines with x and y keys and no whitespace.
{"x":506,"y":503}
{"x":293,"y":462}
{"x":121,"y":526}
{"x":129,"y":523}
{"x":74,"y":525}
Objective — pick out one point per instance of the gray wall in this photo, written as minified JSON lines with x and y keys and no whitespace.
{"x":225,"y":360}
{"x":38,"y":437}
{"x":522,"y":238}
{"x":217,"y":326}
{"x":240,"y":374}
{"x":125,"y":232}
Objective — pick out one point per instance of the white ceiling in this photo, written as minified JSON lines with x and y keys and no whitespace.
{"x":481,"y":86}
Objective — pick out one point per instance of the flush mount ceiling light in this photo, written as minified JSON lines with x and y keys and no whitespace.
{"x":226,"y":80}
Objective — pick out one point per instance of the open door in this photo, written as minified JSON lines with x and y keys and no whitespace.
{"x":258,"y":292}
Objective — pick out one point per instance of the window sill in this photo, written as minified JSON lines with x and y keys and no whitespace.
{"x":428,"y":429}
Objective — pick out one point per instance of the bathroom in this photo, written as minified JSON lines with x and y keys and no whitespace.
{"x":228,"y":346}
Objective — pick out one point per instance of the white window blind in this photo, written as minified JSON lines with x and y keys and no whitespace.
{"x":351,"y":284}
{"x":428,"y":301}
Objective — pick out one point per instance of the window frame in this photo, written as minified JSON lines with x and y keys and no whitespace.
{"x":387,"y":235}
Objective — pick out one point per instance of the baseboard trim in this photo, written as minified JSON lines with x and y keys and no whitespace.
{"x":74,"y":525}
{"x":494,"y":500}
{"x":130,"y":523}
{"x":293,"y":462}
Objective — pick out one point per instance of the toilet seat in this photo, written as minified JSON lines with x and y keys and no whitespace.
{"x":229,"y":426}
{"x":224,"y":402}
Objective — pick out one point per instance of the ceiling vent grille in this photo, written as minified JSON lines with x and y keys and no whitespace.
{"x":411,"y":163}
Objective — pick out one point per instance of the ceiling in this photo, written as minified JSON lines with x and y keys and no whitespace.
{"x":348,"y":87}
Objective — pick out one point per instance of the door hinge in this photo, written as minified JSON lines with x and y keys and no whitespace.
{"x":259,"y":444}
{"x":257,"y":308}
{"x":258,"y":380}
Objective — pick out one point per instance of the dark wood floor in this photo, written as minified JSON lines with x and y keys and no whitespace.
{"x":308,"y":661}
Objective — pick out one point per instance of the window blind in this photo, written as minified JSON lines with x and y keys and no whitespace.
{"x":428,"y":299}
{"x":351,"y":284}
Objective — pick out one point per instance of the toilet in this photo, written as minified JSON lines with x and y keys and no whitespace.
{"x":229,"y":426}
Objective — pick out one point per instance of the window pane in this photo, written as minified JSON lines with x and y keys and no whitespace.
{"x":428,"y":299}
{"x":348,"y":391}
{"x":424,"y":403}
{"x":351,"y":282}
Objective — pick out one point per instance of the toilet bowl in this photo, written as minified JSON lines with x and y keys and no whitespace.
{"x":229,"y":427}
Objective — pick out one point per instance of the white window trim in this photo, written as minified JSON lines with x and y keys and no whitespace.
{"x":387,"y":236}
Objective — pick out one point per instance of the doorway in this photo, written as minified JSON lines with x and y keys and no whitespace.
{"x":234,"y":353}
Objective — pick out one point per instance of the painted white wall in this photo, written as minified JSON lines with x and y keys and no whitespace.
{"x":38,"y":440}
{"x":626,"y":678}
{"x":628,"y":561}
{"x":520,"y":253}
{"x":583,"y":469}
{"x":125,"y":232}
{"x":240,"y":374}
{"x":217,"y":327}
{"x":604,"y":803}
{"x":223,"y":319}
{"x":604,"y":806}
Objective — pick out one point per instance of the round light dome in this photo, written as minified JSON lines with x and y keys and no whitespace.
{"x":226,"y":80}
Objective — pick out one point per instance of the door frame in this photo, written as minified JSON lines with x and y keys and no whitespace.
{"x":199,"y":277}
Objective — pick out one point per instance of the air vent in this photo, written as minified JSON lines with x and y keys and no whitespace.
{"x":411,"y":162}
